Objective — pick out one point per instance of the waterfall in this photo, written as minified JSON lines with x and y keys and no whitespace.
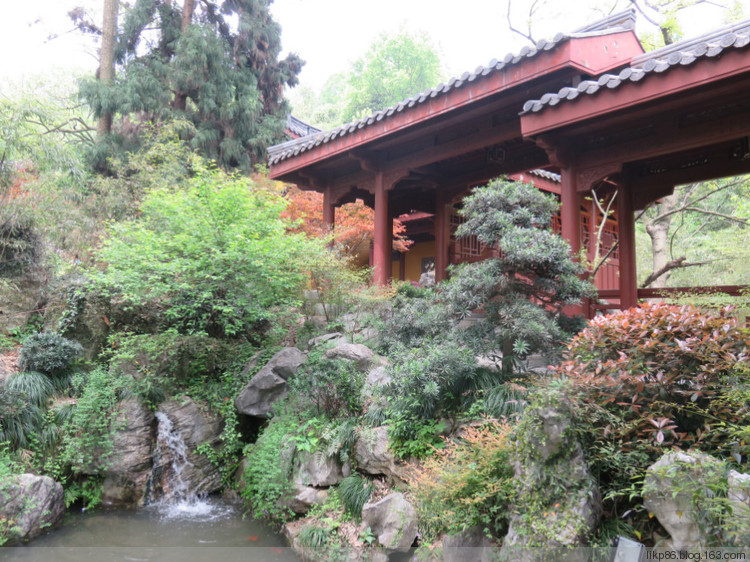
{"x":177,"y":499}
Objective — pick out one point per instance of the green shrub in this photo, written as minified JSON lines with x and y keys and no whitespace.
{"x":87,"y":441}
{"x":213,"y":254}
{"x":650,"y":379}
{"x":332,"y":388}
{"x":417,"y":317}
{"x":48,"y":353}
{"x":467,"y":484}
{"x":36,"y":388}
{"x":354,"y":492}
{"x":268,"y":468}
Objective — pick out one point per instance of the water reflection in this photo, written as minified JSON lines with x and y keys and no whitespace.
{"x":208,"y":530}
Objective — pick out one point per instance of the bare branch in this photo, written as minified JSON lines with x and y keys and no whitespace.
{"x":678,"y":263}
{"x":721,"y":215}
{"x":526,"y":36}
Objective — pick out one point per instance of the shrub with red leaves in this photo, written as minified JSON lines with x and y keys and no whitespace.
{"x":666,"y":371}
{"x":653,"y":378}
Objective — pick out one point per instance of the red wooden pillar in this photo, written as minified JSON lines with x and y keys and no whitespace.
{"x":383,"y":236}
{"x":626,"y":242}
{"x":570,"y":212}
{"x":442,"y":237}
{"x":329,"y":211}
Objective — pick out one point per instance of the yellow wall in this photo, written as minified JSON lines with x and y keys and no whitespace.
{"x":414,"y":260}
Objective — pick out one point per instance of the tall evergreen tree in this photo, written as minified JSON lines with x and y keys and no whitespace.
{"x":213,"y":63}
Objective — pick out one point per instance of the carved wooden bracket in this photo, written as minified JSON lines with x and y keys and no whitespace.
{"x":587,"y":177}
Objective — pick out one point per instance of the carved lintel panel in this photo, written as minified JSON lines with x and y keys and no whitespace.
{"x":558,"y":154}
{"x":587,"y":177}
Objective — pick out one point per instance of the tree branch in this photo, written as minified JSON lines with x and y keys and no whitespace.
{"x":678,"y":263}
{"x":528,"y":36}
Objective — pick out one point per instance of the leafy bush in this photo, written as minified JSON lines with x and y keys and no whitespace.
{"x":467,"y":484}
{"x":649,"y":379}
{"x":48,"y":353}
{"x":333,"y":388}
{"x":354,"y":492}
{"x":213,"y":254}
{"x":87,"y":440}
{"x":417,"y":317}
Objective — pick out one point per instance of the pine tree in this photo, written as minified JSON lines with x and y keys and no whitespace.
{"x":215,"y":64}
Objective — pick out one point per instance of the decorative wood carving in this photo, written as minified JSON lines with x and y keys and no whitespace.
{"x":587,"y":177}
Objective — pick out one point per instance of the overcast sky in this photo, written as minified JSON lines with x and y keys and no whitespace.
{"x":328,"y":34}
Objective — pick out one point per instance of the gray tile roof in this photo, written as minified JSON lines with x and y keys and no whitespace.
{"x":280,"y":152}
{"x":683,"y":53}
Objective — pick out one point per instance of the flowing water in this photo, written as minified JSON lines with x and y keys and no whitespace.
{"x":181,"y":526}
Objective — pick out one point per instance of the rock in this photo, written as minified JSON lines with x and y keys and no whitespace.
{"x":739,"y":500}
{"x":470,"y":545}
{"x":304,"y":498}
{"x":376,"y":378}
{"x":128,"y":469}
{"x":334,"y":337}
{"x":547,"y":446}
{"x":355,"y":352}
{"x":315,"y":469}
{"x":269,"y":384}
{"x":374,"y":457}
{"x":393,"y":520}
{"x":185,"y":420}
{"x":30,"y":504}
{"x":668,"y":494}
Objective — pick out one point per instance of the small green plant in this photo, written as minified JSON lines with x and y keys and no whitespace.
{"x":354,"y":492}
{"x":415,"y":438}
{"x":368,"y":537}
{"x":48,"y":353}
{"x":332,"y":388}
{"x":314,"y":536}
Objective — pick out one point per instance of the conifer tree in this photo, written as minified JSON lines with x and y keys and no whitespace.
{"x":213,"y":63}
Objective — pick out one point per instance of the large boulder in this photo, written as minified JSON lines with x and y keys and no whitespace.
{"x":550,"y":516}
{"x":469,"y":545}
{"x":269,"y":384}
{"x":128,"y":469}
{"x":357,"y":353}
{"x":178,"y":467}
{"x":28,"y":505}
{"x":373,"y":455}
{"x":393,"y":520}
{"x":318,"y":470}
{"x":669,"y":493}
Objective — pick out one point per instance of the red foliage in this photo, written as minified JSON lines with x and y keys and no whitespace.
{"x":354,"y":226}
{"x":664,"y":372}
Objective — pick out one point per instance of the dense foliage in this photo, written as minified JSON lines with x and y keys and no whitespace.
{"x":217,"y":66}
{"x":649,"y":379}
{"x":214,"y":256}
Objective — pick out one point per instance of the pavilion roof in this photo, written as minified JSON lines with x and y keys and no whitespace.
{"x":624,"y":21}
{"x":680,"y":54}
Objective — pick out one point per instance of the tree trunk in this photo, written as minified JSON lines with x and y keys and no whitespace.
{"x":188,"y":7}
{"x":107,"y":59}
{"x":658,"y":230}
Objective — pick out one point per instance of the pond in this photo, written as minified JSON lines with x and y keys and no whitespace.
{"x":211,"y":529}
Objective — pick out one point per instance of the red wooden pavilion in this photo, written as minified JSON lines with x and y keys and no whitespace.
{"x":585,"y":110}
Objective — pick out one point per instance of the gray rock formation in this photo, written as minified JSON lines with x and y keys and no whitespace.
{"x":128,"y":469}
{"x":393,"y":520}
{"x":471,"y":545}
{"x":374,"y":457}
{"x":30,"y":504}
{"x":269,"y":384}
{"x":668,"y":493}
{"x":304,"y":498}
{"x":355,"y":352}
{"x":548,"y":452}
{"x":315,"y":469}
{"x":195,"y":428}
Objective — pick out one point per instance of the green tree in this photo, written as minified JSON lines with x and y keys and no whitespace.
{"x":394,"y":68}
{"x":523,"y":291}
{"x":213,"y":63}
{"x":212,"y":255}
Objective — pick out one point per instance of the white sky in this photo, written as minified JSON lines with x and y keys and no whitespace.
{"x":328,"y":34}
